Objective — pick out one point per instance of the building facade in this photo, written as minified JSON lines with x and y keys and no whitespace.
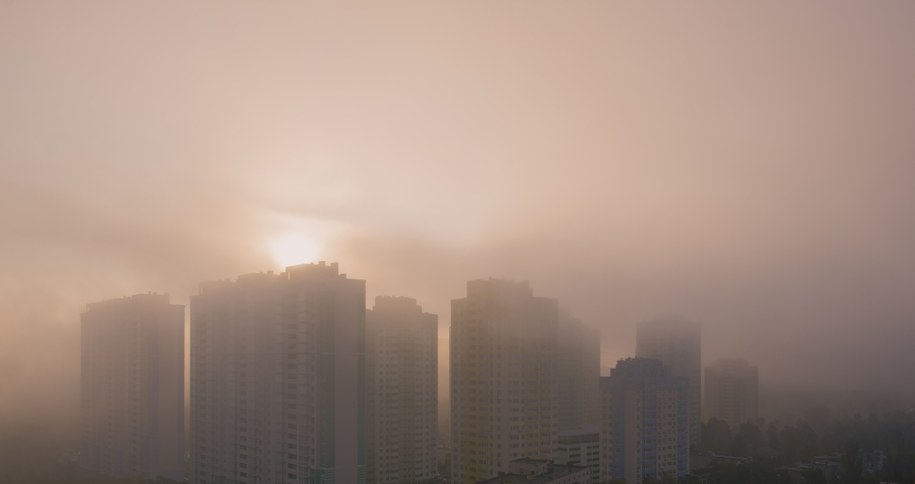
{"x":580,"y":448}
{"x":277,"y":378}
{"x":678,"y":343}
{"x":732,"y":392}
{"x":503,"y":360}
{"x":645,"y":422}
{"x":401,"y":392}
{"x":578,"y":375}
{"x":132,"y":387}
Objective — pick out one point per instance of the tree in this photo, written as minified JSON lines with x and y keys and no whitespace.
{"x":772,"y":438}
{"x":808,"y":442}
{"x":851,"y":464}
{"x":748,"y":440}
{"x":789,"y":445}
{"x":716,"y":437}
{"x":814,"y":476}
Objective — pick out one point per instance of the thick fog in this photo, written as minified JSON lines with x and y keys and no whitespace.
{"x":752,"y":168}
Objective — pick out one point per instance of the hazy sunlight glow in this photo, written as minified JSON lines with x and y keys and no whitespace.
{"x":291,"y":249}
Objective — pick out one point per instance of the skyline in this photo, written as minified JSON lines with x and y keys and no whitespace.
{"x":748,"y":167}
{"x":291,"y":334}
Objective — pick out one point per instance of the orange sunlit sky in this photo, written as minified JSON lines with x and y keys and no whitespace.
{"x":751,"y":166}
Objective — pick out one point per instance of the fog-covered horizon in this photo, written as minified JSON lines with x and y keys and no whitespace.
{"x":750,"y":167}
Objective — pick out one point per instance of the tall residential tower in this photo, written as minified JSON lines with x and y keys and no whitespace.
{"x":732,"y":392}
{"x":503,"y":361}
{"x":277,"y":378}
{"x":644,"y":424}
{"x":678,"y":343}
{"x":132,"y":387}
{"x":401,"y":392}
{"x":577,"y":375}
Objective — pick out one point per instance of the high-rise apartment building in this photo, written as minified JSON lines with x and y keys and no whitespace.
{"x":644,"y":422}
{"x":678,"y":343}
{"x":277,"y":378}
{"x":132,"y":387}
{"x":577,"y":375}
{"x":401,"y":392}
{"x":732,"y":392}
{"x":503,"y":360}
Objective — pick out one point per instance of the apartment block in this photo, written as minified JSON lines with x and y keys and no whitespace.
{"x":277,"y":378}
{"x":401,"y":392}
{"x":677,"y":342}
{"x":132,"y":387}
{"x":732,"y":392}
{"x":503,"y":370}
{"x":645,"y":422}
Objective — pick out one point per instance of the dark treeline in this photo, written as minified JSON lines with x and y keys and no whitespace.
{"x":29,"y":455}
{"x":771,"y":445}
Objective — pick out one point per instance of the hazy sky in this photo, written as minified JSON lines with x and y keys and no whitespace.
{"x":750,"y":165}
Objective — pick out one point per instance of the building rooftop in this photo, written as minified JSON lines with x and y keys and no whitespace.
{"x":579,"y":435}
{"x":397,"y":302}
{"x":297,"y":273}
{"x":150,"y":298}
{"x":640,"y":367}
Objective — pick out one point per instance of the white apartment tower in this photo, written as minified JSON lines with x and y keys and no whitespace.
{"x":132,"y":387}
{"x":401,"y":392}
{"x":732,"y":392}
{"x":677,"y":342}
{"x":277,"y":378}
{"x":503,"y":360}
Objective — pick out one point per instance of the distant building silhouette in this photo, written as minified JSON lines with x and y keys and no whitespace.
{"x":678,"y":343}
{"x":401,"y":392}
{"x":132,"y":387}
{"x":644,"y":422}
{"x":277,"y":378}
{"x":503,"y":366}
{"x":732,"y":392}
{"x":578,"y":375}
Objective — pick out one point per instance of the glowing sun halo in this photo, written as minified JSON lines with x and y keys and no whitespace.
{"x":291,"y":249}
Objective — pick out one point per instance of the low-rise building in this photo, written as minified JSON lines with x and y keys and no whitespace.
{"x":580,"y":447}
{"x":540,"y":471}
